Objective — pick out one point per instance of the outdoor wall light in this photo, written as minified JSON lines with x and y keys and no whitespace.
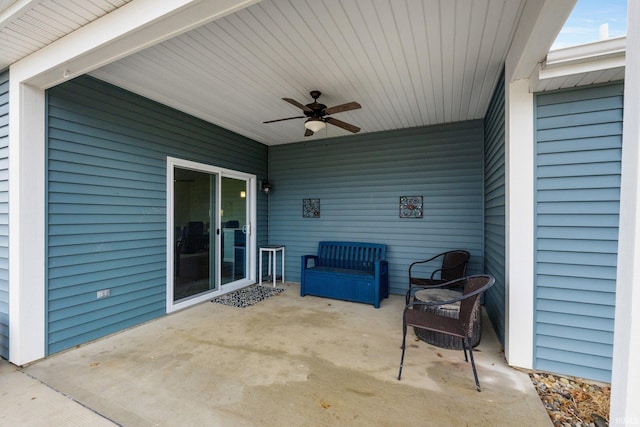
{"x":266,"y":187}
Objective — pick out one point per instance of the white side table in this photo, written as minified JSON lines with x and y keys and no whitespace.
{"x":271,"y":250}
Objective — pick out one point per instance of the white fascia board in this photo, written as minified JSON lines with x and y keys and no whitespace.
{"x":580,"y":60}
{"x":588,"y":52}
{"x":539,"y":25}
{"x":581,"y":67}
{"x":131,"y":28}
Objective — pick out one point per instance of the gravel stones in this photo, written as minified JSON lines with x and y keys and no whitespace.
{"x":572,"y":401}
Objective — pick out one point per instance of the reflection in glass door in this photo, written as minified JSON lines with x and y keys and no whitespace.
{"x":233,"y":219}
{"x":209,"y":237}
{"x":193,"y":204}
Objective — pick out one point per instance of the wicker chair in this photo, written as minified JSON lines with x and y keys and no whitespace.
{"x":453,"y":266}
{"x":462,"y":327}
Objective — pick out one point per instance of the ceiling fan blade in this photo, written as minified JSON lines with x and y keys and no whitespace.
{"x":297,"y":104}
{"x":342,"y":107}
{"x":343,"y":125}
{"x":308,"y":132}
{"x":288,"y":118}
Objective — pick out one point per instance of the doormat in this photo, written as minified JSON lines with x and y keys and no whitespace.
{"x":247,"y":296}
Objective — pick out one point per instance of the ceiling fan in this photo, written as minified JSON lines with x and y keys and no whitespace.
{"x":317,"y":113}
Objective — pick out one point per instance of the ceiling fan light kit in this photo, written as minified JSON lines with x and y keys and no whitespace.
{"x":314,"y":125}
{"x":317,"y":114}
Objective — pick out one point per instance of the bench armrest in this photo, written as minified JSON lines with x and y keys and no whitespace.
{"x":306,"y":258}
{"x":381,"y":267}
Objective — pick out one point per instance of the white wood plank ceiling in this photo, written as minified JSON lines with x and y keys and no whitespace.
{"x":407,"y":62}
{"x":42,"y":22}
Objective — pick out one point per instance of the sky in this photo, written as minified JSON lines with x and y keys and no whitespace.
{"x":583,"y":25}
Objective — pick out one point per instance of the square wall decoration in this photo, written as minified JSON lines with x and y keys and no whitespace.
{"x":311,"y":208}
{"x":411,"y":207}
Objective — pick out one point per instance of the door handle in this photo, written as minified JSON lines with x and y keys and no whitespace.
{"x":244,"y":229}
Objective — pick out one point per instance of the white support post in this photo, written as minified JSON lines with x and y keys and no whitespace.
{"x":539,"y":24}
{"x":625,"y":387}
{"x":519,"y":154}
{"x":26,"y":223}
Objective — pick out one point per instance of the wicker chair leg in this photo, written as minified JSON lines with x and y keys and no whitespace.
{"x":464,"y":347}
{"x":404,"y":341}
{"x":473,"y":364}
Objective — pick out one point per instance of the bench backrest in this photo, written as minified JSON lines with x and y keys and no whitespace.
{"x":351,"y":255}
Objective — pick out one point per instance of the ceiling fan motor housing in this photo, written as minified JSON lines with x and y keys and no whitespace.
{"x":318,"y":109}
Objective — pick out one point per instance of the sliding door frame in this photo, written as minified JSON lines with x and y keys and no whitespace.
{"x":250,"y":277}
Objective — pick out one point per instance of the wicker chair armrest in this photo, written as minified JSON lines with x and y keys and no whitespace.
{"x":423,"y":262}
{"x":417,"y":287}
{"x":437,"y":303}
{"x":451,"y":301}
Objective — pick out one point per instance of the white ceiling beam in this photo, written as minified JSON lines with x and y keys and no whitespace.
{"x":129,"y":29}
{"x":539,"y":25}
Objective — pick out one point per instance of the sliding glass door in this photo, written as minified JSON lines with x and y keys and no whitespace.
{"x":194,"y":246}
{"x":233,"y":213}
{"x":210,"y":217}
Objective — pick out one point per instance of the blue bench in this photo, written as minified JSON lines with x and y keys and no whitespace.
{"x":351,"y":271}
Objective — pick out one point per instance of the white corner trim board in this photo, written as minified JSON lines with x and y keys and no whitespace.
{"x":519,"y":200}
{"x":625,"y":387}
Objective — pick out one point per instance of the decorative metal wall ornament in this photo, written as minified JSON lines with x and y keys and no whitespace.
{"x":411,"y":207}
{"x":311,"y":208}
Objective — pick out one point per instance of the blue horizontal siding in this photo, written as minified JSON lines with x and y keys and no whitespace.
{"x":596,"y":309}
{"x":4,"y":214}
{"x":82,"y":291}
{"x":576,"y":282}
{"x":568,"y":122}
{"x":494,"y":208}
{"x":570,"y":332}
{"x":578,"y":160}
{"x":106,"y":203}
{"x":107,"y":322}
{"x":583,"y":371}
{"x":558,"y":106}
{"x":359,"y":180}
{"x":577,"y":182}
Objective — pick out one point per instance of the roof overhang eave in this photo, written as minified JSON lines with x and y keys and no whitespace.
{"x":580,"y":60}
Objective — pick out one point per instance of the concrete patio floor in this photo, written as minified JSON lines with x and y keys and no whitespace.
{"x":284,"y":361}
